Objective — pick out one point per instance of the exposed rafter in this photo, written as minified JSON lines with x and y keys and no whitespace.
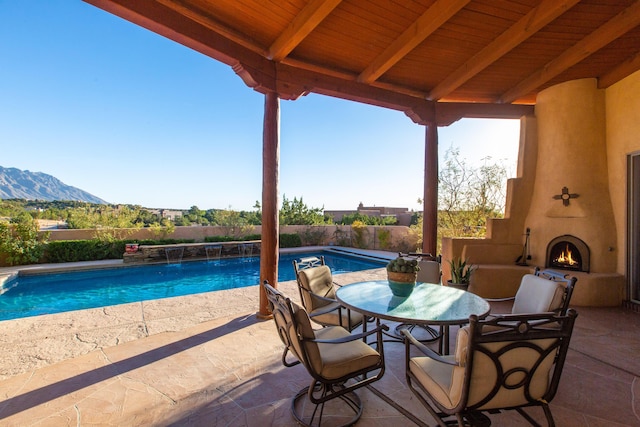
{"x":313,"y":13}
{"x":631,"y":65}
{"x":616,"y":27}
{"x":431,"y":20}
{"x":208,"y":21}
{"x":527,"y":26}
{"x":298,"y":46}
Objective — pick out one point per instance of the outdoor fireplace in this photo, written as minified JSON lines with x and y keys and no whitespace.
{"x":568,"y":253}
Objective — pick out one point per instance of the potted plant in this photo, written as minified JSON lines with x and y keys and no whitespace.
{"x":461,"y":272}
{"x":402,"y":274}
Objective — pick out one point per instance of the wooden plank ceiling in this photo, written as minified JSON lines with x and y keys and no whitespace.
{"x":437,"y":60}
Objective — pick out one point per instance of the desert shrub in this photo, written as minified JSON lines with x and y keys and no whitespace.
{"x":314,"y":236}
{"x":95,"y":250}
{"x":290,"y":241}
{"x":384,"y":238}
{"x":20,"y":242}
{"x":360,"y":234}
{"x":82,"y":250}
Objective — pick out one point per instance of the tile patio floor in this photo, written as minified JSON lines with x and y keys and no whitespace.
{"x":206,"y":360}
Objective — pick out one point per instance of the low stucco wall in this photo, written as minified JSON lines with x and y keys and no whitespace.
{"x":400,"y":237}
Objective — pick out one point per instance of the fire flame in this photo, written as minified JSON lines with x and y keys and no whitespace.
{"x":566,"y":258}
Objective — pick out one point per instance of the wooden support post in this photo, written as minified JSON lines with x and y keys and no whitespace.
{"x":430,"y":213}
{"x":270,"y":223}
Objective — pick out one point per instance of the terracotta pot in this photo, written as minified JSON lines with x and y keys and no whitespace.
{"x":402,"y":277}
{"x":461,"y":286}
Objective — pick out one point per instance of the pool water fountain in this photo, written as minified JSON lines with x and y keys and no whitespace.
{"x":245,"y":250}
{"x":214,"y":252}
{"x":174,"y":255}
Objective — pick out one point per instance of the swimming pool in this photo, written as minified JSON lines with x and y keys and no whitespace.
{"x":56,"y":293}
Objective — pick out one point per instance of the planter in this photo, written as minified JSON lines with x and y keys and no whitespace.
{"x":401,"y":284}
{"x":131,"y":248}
{"x":461,"y":286}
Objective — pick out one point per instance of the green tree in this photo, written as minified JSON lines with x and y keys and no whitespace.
{"x":368,"y":220}
{"x":468,"y":196}
{"x":20,"y":241}
{"x":236,"y":224}
{"x":295,"y":212}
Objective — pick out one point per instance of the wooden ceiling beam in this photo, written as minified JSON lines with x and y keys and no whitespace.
{"x":439,"y":13}
{"x":210,"y":23}
{"x":305,"y":22}
{"x":626,"y":68}
{"x":605,"y":34}
{"x":419,"y":110}
{"x":528,"y":25}
{"x":253,"y":68}
{"x":344,"y":88}
{"x":450,"y":112}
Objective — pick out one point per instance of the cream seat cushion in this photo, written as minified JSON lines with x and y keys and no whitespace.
{"x":317,"y":281}
{"x":429,"y":271}
{"x":537,"y":295}
{"x":342,"y":359}
{"x":331,"y":361}
{"x":333,"y":316}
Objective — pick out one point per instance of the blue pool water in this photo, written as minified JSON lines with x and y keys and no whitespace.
{"x":56,"y":293}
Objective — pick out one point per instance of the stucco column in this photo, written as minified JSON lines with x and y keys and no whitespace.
{"x":430,"y":214}
{"x":270,"y":224}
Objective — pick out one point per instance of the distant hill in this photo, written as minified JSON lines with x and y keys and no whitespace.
{"x":19,"y":184}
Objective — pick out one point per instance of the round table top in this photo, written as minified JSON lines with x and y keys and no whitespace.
{"x":428,"y":303}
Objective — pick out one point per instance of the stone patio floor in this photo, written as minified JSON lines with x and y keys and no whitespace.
{"x":206,"y":360}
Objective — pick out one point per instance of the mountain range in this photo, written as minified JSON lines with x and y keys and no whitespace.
{"x":19,"y":184}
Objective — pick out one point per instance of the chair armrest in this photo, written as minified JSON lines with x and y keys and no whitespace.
{"x":326,"y":309}
{"x":411,"y":340}
{"x":500,"y":299}
{"x":353,"y":337}
{"x":316,"y":296}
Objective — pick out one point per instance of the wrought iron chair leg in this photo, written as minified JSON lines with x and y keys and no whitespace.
{"x":350,"y":399}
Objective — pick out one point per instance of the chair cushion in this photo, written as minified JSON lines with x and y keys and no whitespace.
{"x":537,"y":295}
{"x":333,"y":318}
{"x":317,"y":281}
{"x":339,"y":360}
{"x":429,"y":271}
{"x":442,"y":381}
{"x":462,"y":346}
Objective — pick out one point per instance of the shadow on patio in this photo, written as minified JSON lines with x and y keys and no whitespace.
{"x":227,"y":372}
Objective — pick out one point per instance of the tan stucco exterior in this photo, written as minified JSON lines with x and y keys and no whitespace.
{"x":579,"y":138}
{"x":623,"y":137}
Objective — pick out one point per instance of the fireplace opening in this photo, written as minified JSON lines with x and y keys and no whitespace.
{"x":568,"y":253}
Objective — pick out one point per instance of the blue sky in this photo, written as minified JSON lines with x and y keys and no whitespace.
{"x":131,"y":117}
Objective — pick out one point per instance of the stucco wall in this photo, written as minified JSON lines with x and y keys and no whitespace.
{"x":623,"y":138}
{"x":584,"y":135}
{"x":401,"y":239}
{"x":572,"y":153}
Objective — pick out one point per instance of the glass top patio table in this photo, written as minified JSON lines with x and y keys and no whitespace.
{"x":428,"y":303}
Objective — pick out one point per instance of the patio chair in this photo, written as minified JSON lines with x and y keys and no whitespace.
{"x":544,"y":291}
{"x":338,"y":362}
{"x":318,"y":295}
{"x":430,"y":268}
{"x":509,"y":362}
